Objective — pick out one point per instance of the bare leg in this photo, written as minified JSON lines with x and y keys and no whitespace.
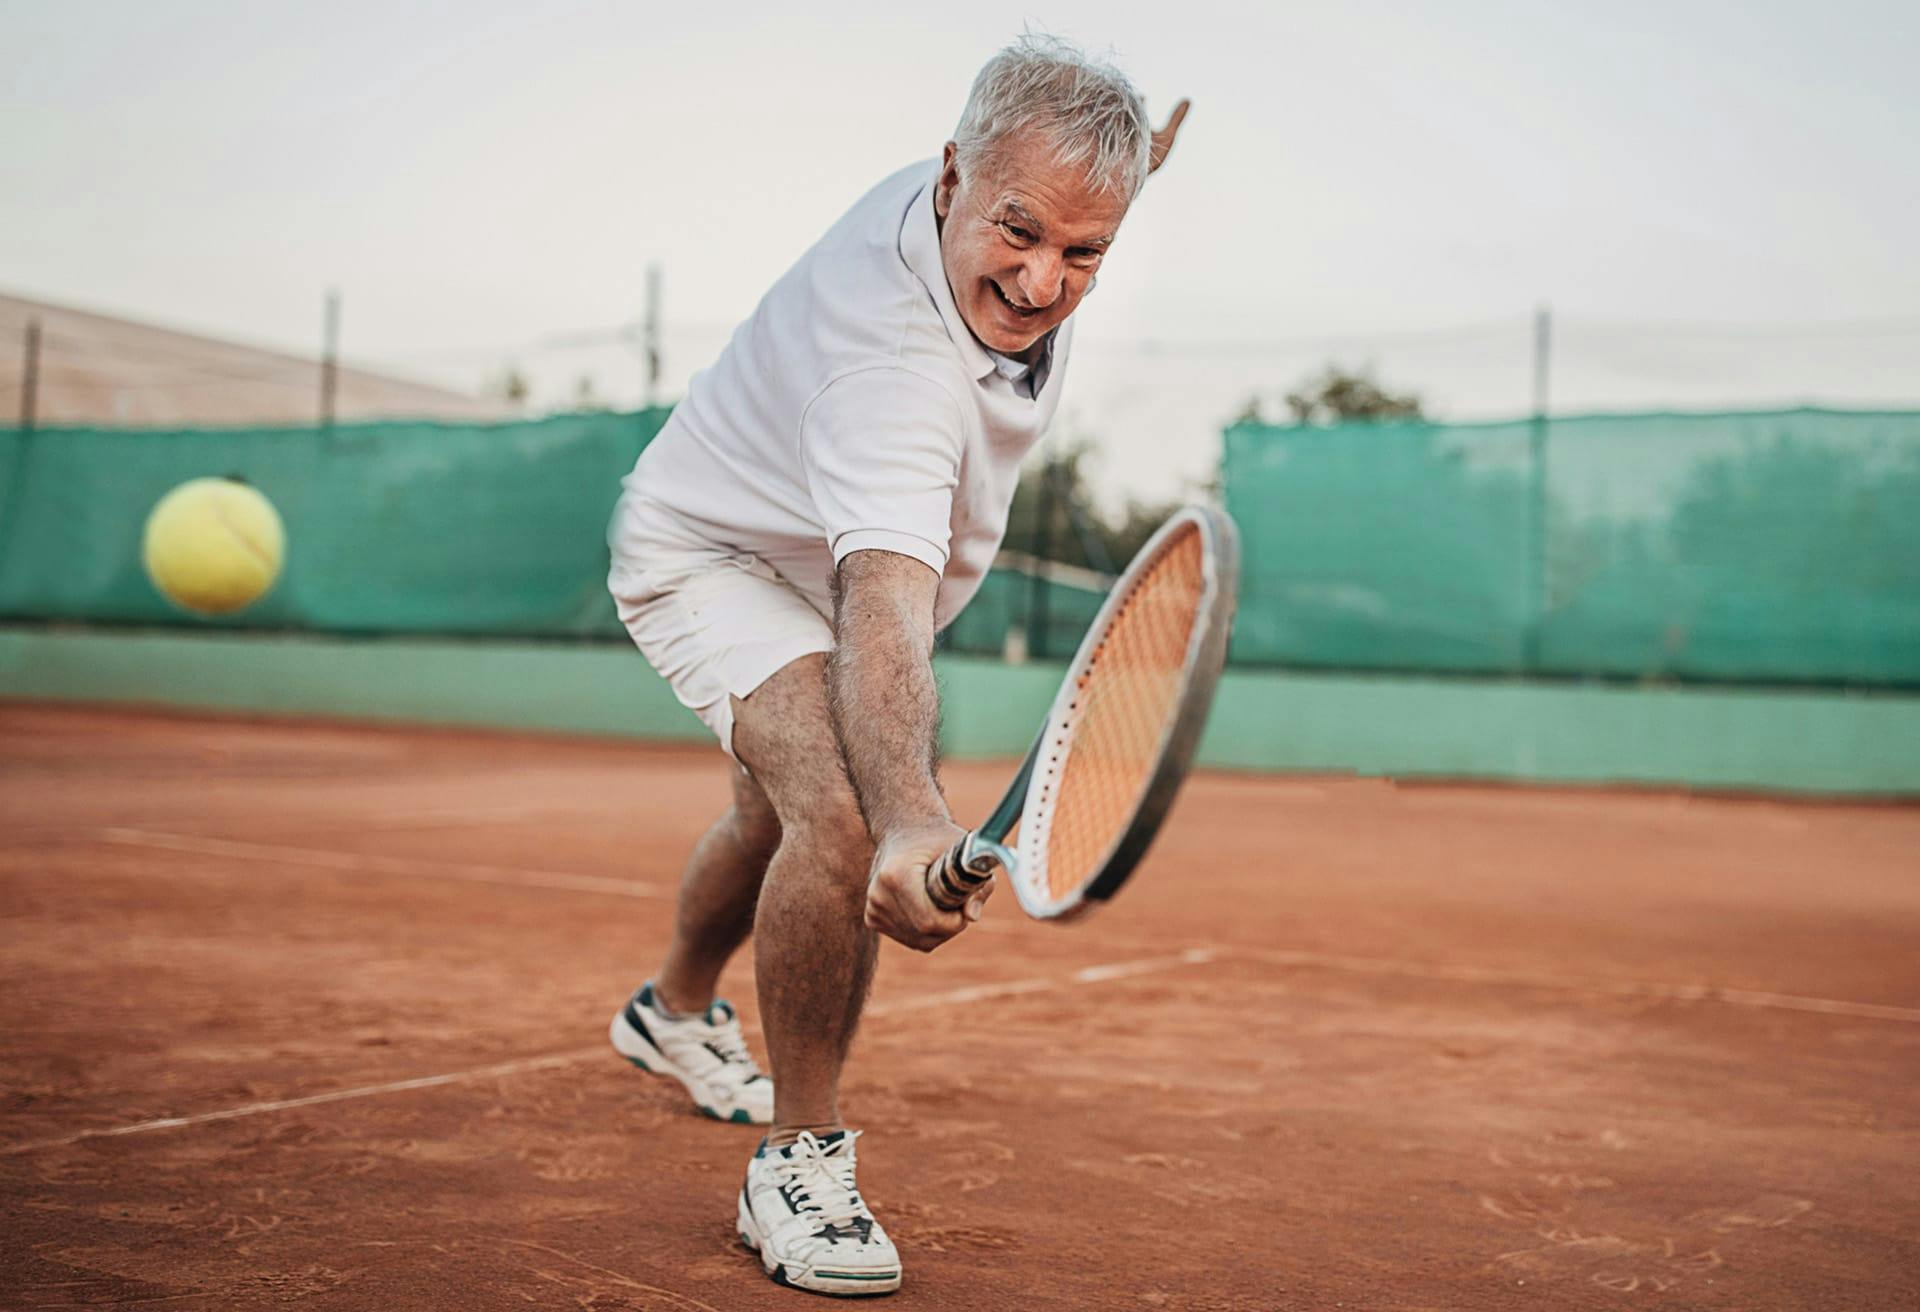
{"x":813,"y":954}
{"x":717,"y":897}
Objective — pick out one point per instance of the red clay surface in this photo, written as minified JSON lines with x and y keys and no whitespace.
{"x":1427,"y":1047}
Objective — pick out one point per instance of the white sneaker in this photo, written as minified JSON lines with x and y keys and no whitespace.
{"x":706,"y":1053}
{"x":802,"y":1212}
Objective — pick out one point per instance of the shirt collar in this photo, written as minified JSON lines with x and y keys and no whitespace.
{"x":1008,"y":367}
{"x":920,"y":248}
{"x":1027,"y":379}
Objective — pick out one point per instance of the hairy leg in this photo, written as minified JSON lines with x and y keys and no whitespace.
{"x":718,"y":893}
{"x":813,"y":954}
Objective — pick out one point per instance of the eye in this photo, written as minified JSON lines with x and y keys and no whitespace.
{"x":1017,"y":233}
{"x":1086,"y":255}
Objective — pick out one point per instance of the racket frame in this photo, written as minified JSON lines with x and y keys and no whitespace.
{"x":973,"y":860}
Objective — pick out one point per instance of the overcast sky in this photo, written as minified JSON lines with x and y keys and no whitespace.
{"x":1720,"y":200}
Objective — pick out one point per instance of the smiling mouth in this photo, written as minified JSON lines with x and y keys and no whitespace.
{"x":1024,"y":313}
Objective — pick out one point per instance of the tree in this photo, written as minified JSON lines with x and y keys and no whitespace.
{"x":1338,"y":395}
{"x":1249,"y":413}
{"x":509,"y":385}
{"x":586,"y":399}
{"x":1054,"y":489}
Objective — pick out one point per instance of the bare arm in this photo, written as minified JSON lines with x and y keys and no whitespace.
{"x":886,"y":716}
{"x":880,"y":689}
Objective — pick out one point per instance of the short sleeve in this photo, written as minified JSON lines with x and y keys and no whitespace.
{"x":880,"y":449}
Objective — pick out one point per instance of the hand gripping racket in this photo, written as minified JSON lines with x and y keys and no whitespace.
{"x":1120,"y":735}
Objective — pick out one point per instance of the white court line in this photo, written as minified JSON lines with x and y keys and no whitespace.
{"x":1685,"y":809}
{"x":311,"y":1100}
{"x":1126,"y":969}
{"x":950,"y":998}
{"x":1579,"y":984}
{"x":352,"y":862}
{"x":367,"y":864}
{"x":462,"y":816}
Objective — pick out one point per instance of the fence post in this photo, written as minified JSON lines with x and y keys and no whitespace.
{"x":30,"y":378}
{"x":330,"y":360}
{"x":650,"y":338}
{"x":1042,"y":553}
{"x":1537,"y":582}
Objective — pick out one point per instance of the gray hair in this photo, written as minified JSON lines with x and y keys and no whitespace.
{"x":1084,"y":108}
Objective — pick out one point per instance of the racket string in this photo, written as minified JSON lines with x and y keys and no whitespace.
{"x":1097,"y":775}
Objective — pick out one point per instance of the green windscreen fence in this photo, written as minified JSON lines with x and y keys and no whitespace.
{"x":391,"y":527}
{"x":1780,"y":547}
{"x":1050,"y":613}
{"x":1776,"y":547}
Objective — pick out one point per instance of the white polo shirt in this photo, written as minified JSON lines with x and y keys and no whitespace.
{"x":854,"y":409}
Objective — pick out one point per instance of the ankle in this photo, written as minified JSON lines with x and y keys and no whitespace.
{"x":677,"y":1002}
{"x":783,"y":1134}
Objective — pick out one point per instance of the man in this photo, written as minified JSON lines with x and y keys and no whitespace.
{"x":828,"y":496}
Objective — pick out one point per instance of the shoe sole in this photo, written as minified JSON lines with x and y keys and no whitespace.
{"x":793,"y":1275}
{"x":634,"y":1046}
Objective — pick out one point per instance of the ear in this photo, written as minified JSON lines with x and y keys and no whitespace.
{"x":948,"y":182}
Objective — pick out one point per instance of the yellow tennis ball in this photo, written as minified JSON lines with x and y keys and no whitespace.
{"x":213,"y":545}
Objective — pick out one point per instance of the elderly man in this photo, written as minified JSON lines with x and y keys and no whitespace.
{"x":828,"y":496}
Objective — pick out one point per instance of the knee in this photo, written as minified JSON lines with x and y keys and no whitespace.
{"x":756,"y":832}
{"x":832,"y":837}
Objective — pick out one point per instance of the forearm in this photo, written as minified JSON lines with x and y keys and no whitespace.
{"x":881,"y":691}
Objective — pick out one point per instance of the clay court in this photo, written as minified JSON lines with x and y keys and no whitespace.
{"x":315,"y":1013}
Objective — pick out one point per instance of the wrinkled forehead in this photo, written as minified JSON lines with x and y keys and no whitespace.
{"x":1029,"y":183}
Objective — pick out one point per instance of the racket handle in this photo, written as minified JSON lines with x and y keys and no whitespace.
{"x":954,"y":877}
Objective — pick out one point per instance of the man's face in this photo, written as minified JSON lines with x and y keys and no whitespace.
{"x":1021,"y":242}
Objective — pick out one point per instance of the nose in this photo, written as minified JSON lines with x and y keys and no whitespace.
{"x":1041,"y":280}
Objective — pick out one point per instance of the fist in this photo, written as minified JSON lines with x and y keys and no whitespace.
{"x":897,"y":901}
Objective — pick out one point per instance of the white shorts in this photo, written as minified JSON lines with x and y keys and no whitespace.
{"x":716,"y":625}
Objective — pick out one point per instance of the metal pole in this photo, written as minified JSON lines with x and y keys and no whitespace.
{"x":330,"y":360}
{"x":1090,"y":544}
{"x":1538,"y":602}
{"x":30,"y":378}
{"x":1042,"y":552}
{"x":1542,"y":344}
{"x":650,"y":334}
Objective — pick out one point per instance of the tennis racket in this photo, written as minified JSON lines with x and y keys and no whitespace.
{"x":1120,"y":735}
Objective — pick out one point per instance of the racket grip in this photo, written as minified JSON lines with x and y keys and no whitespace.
{"x":951,"y":880}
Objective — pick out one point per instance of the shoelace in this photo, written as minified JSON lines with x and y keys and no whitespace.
{"x":819,"y":1178}
{"x":730,"y":1046}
